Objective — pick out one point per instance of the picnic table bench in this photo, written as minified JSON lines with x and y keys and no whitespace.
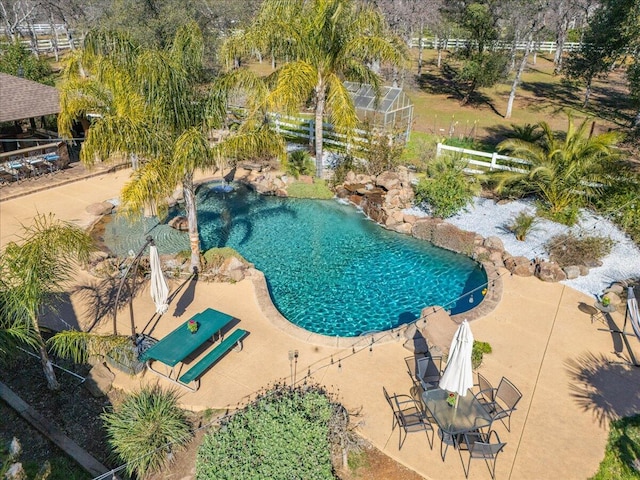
{"x":181,"y":342}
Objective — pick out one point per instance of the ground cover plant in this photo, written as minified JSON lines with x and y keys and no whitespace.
{"x":285,"y":433}
{"x":622,"y":455}
{"x":569,"y":249}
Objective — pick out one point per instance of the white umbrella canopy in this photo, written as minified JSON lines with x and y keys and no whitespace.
{"x":159,"y":288}
{"x":458,"y":376}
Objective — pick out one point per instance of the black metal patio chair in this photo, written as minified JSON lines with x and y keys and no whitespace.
{"x":482,"y":446}
{"x":409,"y":415}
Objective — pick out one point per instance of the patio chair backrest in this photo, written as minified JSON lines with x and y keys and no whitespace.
{"x":389,"y":401}
{"x":488,"y":392}
{"x":483,"y":447}
{"x":508,"y":393}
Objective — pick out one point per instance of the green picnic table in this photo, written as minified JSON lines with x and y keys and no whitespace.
{"x":181,"y":343}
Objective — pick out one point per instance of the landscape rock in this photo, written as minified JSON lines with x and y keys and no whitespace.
{"x":351,"y":177}
{"x":615,"y":288}
{"x":101,"y":208}
{"x":403,"y":228}
{"x":496,"y":259}
{"x":549,"y":272}
{"x":388,"y":181}
{"x":584,"y":270}
{"x":179,"y":223}
{"x":572,"y":272}
{"x":494,"y":243}
{"x":520,"y":266}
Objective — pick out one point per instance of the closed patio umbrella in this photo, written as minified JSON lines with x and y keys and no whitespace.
{"x":458,"y":376}
{"x":633,"y":314}
{"x":159,"y":288}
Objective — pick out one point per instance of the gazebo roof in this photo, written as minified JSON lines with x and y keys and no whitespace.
{"x":21,"y":98}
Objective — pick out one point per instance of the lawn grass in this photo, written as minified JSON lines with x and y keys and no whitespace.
{"x":622,"y":452}
{"x":541,"y":96}
{"x":317,"y":190}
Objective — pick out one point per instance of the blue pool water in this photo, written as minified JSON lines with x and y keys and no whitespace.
{"x":330,"y":270}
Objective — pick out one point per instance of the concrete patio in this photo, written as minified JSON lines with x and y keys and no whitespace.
{"x":572,"y":376}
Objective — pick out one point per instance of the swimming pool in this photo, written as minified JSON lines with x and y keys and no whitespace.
{"x":329,"y":269}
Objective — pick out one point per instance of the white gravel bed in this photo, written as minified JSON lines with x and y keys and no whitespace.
{"x":488,"y":218}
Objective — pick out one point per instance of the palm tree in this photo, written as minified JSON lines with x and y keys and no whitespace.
{"x":34,"y":269}
{"x":152,"y":105}
{"x":566,"y":169}
{"x":325,"y":42}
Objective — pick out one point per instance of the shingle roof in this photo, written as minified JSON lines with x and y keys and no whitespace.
{"x":21,"y":98}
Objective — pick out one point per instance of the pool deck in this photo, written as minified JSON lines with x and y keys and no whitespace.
{"x":572,"y":375}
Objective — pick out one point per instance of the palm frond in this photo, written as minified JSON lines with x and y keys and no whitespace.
{"x":79,"y":346}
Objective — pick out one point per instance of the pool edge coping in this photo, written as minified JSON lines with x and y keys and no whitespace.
{"x":488,"y":304}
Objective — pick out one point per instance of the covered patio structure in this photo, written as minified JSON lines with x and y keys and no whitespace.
{"x":23,"y":132}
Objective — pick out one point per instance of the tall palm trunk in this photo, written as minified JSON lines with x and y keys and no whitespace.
{"x":192,"y":220}
{"x":320,"y":102}
{"x":47,"y":366}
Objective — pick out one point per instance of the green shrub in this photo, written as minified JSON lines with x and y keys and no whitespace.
{"x":446,"y":188}
{"x":284,"y":434}
{"x":567,"y":216}
{"x":567,"y":249}
{"x":299,"y":162}
{"x":621,"y":203}
{"x":622,"y":453}
{"x":215,"y":257}
{"x":478,"y":351}
{"x":317,"y":190}
{"x":521,"y":225}
{"x":345,"y":165}
{"x":145,"y":428}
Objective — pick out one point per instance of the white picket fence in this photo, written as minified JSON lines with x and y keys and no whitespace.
{"x":458,"y":43}
{"x":476,"y":163}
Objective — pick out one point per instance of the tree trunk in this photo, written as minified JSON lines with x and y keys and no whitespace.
{"x":470,"y":90}
{"x":560,"y":39}
{"x":47,"y":366}
{"x":320,"y":101}
{"x":192,"y":220}
{"x":587,"y":93}
{"x":420,"y":49}
{"x":516,"y":80}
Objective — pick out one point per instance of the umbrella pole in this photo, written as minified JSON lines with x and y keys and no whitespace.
{"x":149,"y":241}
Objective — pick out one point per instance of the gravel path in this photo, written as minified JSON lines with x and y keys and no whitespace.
{"x":488,"y":218}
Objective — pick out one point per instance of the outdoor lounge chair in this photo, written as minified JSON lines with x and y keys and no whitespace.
{"x":481,"y":446}
{"x":409,"y":416}
{"x":505,"y":399}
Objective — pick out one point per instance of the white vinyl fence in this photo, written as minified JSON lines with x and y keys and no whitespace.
{"x":458,"y":43}
{"x":482,"y":162}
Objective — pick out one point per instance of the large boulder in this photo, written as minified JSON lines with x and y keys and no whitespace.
{"x":549,"y":272}
{"x":520,"y":266}
{"x":388,"y":180}
{"x":572,"y":271}
{"x":179,"y":223}
{"x":494,"y":243}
